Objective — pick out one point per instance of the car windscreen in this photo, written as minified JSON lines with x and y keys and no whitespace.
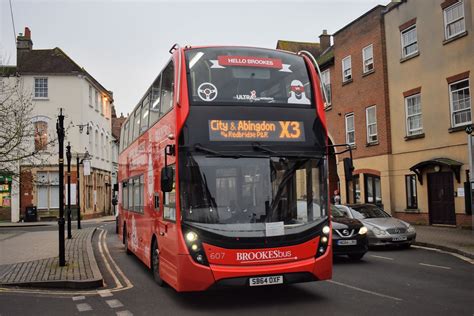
{"x":368,"y":211}
{"x":233,"y":76}
{"x":338,"y":213}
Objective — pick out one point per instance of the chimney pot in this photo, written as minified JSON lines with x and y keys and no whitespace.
{"x":27,"y":33}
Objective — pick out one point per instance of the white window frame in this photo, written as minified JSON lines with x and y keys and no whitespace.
{"x":412,"y":132}
{"x":349,"y":75}
{"x":404,"y":45}
{"x":49,"y":185}
{"x":347,"y":117}
{"x":461,"y":18}
{"x":452,"y":112}
{"x":326,"y":81}
{"x":369,"y":124}
{"x":365,"y":63}
{"x":43,"y":91}
{"x":96,"y":100}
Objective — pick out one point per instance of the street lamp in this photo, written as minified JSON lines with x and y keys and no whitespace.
{"x":78,"y":162}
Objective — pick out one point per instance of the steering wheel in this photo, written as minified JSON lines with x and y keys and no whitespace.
{"x":207,"y":91}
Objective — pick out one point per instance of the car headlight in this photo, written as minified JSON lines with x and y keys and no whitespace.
{"x":379,"y":232}
{"x":411,"y":229}
{"x":363,"y":230}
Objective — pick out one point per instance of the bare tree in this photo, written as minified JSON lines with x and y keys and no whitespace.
{"x":20,"y":140}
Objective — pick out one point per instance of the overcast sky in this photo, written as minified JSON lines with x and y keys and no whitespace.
{"x":124,"y":44}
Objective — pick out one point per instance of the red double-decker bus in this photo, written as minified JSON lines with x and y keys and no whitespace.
{"x":223,"y":171}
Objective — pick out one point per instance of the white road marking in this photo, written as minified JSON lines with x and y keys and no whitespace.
{"x":364,"y":291}
{"x":83,"y":307}
{"x":122,"y":313}
{"x":434,"y":266}
{"x":114,"y":303}
{"x":78,"y":298}
{"x":104,"y":293}
{"x":387,"y":258}
{"x":471,"y":261}
{"x":127,"y":281}
{"x":107,"y":265}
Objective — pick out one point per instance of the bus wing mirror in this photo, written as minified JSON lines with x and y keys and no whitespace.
{"x":116,"y":187}
{"x":167,"y":179}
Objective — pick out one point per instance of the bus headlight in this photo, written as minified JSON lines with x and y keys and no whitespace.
{"x":191,"y":237}
{"x":363,"y":230}
{"x":324,"y":239}
{"x":195,"y":247}
{"x":326,"y":230}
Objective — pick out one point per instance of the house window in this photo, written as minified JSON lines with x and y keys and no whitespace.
{"x":326,"y":81}
{"x":454,"y":20}
{"x":410,"y":184}
{"x":413,"y":115}
{"x":371,"y":117}
{"x":460,"y":100}
{"x":368,"y":58}
{"x":350,"y":129}
{"x":41,"y":135}
{"x":373,"y":189}
{"x":409,"y":41}
{"x":90,"y":96}
{"x":101,"y":100}
{"x":47,"y":190}
{"x":41,"y":87}
{"x":96,"y":101}
{"x":353,"y":190}
{"x":346,"y":69}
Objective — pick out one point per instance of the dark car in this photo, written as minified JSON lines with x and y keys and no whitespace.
{"x":349,"y":236}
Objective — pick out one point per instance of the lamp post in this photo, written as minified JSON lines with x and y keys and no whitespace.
{"x":78,"y":163}
{"x":60,"y":131}
{"x":68,"y":157}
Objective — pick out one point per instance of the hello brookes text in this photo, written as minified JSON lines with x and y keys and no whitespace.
{"x":263,"y":255}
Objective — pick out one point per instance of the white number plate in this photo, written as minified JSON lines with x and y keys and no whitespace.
{"x":348,"y":242}
{"x":267,"y":280}
{"x":401,"y":238}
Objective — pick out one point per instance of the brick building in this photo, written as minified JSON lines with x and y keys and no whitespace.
{"x":359,"y":111}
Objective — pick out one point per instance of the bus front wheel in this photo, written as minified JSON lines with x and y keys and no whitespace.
{"x":155,"y":264}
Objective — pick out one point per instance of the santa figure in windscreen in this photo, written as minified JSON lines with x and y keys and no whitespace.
{"x":297,"y":94}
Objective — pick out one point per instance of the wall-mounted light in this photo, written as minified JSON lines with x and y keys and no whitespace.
{"x":437,"y":168}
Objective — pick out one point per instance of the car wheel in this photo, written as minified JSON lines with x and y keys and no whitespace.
{"x":356,"y":256}
{"x":125,"y":241}
{"x":155,"y":264}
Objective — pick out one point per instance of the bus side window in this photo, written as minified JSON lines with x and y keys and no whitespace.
{"x":136,"y":123}
{"x":167,"y":86}
{"x":125,"y":195}
{"x":169,"y":201}
{"x":155,"y":100}
{"x":145,"y":114}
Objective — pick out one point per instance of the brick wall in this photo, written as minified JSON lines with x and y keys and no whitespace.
{"x":365,"y":89}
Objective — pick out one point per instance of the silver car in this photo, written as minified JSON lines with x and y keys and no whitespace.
{"x":383,"y":229}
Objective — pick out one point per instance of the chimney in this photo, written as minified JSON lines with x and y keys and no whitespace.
{"x":324,"y":40}
{"x":23,"y":42}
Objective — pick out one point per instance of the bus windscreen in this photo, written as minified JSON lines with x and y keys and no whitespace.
{"x":232,"y":76}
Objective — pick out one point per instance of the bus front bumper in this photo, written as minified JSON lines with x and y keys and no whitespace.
{"x":196,"y":277}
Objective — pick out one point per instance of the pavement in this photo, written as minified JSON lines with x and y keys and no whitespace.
{"x":451,"y":239}
{"x":29,"y":258}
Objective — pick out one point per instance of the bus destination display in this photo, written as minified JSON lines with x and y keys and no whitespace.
{"x":246,"y":130}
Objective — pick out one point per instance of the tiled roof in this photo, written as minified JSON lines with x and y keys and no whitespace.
{"x":52,"y":61}
{"x":326,"y":56}
{"x":295,"y":47}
